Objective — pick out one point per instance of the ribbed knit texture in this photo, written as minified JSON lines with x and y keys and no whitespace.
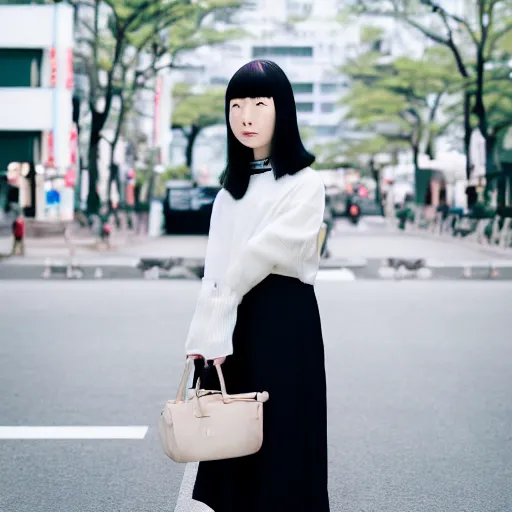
{"x":272,"y":229}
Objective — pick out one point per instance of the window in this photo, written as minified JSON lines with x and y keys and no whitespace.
{"x":259,"y":52}
{"x":302,"y":88}
{"x":20,"y":68}
{"x":328,"y":88}
{"x":251,"y":5}
{"x":304,"y":107}
{"x":326,"y":131}
{"x":218,"y":80}
{"x":18,"y":147}
{"x":327,"y":107}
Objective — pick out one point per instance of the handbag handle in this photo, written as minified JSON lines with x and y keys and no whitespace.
{"x":180,"y":397}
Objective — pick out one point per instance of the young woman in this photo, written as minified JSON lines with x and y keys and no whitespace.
{"x":257,"y":313}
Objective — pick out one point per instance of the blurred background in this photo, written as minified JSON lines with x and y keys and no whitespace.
{"x":112,"y":139}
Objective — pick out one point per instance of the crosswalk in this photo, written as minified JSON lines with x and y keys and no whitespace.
{"x":73,"y":432}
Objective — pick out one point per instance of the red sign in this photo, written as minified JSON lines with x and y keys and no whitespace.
{"x":51,"y":154}
{"x":53,"y":67}
{"x":69,"y":76}
{"x":363,"y":191}
{"x":156,"y":117}
{"x":130,"y":194}
{"x":70,"y":178}
{"x":73,"y":145}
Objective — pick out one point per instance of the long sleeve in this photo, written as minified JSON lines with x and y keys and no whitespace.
{"x":286,"y":237}
{"x":288,"y":240}
{"x":214,"y":319}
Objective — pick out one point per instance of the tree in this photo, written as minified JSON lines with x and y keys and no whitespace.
{"x":396,"y":100}
{"x":473,"y":38}
{"x":195,"y":111}
{"x":113,"y":51}
{"x":186,"y":35}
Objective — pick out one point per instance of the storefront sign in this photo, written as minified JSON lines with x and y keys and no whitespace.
{"x":73,"y":145}
{"x":53,"y":67}
{"x":51,"y":151}
{"x":156,"y":116}
{"x":70,"y":178}
{"x":69,"y":75}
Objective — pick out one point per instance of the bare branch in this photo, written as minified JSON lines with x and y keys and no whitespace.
{"x":445,"y":15}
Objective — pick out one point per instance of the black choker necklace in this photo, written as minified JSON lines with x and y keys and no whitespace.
{"x":259,"y":166}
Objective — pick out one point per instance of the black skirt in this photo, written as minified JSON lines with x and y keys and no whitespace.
{"x":277,"y":347}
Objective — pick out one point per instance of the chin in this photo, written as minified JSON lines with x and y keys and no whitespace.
{"x":250,"y":143}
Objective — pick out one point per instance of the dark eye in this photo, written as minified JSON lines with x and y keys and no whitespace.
{"x":260,"y":103}
{"x":235,"y":105}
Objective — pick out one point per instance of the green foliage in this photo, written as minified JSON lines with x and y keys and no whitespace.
{"x":201,"y":109}
{"x":396,"y":100}
{"x":478,"y":43}
{"x":306,"y":133}
{"x":114,"y":34}
{"x":177,"y":172}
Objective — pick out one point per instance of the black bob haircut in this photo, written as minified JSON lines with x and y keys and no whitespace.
{"x":264,"y":79}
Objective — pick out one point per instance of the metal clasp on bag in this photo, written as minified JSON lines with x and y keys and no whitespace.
{"x":198,"y":410}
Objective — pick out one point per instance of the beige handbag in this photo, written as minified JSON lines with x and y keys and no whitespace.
{"x":211,"y":425}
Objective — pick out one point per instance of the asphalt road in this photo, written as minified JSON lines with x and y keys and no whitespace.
{"x":420,"y":409}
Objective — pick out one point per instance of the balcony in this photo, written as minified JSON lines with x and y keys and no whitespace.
{"x":26,"y":109}
{"x":32,"y":26}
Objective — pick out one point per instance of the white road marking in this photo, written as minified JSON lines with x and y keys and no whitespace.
{"x":73,"y":432}
{"x":185,"y":502}
{"x":342,"y":274}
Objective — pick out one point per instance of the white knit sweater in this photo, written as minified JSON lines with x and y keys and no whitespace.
{"x":273,"y":229}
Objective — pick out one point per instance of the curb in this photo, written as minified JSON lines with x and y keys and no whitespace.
{"x":192,"y":269}
{"x":449,"y":239}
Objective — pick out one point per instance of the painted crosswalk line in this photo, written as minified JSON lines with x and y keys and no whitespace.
{"x":73,"y":432}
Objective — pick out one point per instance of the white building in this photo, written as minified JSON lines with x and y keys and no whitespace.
{"x":305,"y":38}
{"x":36,"y":84}
{"x":308,"y":51}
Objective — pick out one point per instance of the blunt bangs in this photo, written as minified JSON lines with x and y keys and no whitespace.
{"x":250,"y":81}
{"x":264,"y":79}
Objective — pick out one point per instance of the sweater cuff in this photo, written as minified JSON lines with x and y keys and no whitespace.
{"x":213,"y":324}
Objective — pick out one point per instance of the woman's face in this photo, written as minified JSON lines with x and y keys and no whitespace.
{"x":252,"y":121}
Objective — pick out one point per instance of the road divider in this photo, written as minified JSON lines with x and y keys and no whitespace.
{"x":192,"y":269}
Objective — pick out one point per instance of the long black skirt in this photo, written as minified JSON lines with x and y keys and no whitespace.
{"x":277,"y":347}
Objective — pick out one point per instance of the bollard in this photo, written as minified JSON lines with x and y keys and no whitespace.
{"x":424,"y":273}
{"x":98,"y":273}
{"x":466,"y":272}
{"x":387,"y":272}
{"x":493,"y":271}
{"x":47,"y":272}
{"x":152,"y":273}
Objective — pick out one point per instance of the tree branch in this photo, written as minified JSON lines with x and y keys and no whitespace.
{"x":445,"y":15}
{"x":494,"y":38}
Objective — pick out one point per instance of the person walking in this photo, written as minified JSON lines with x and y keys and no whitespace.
{"x":257,"y":313}
{"x":18,"y":236}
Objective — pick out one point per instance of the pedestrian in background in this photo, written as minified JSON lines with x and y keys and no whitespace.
{"x":257,"y":313}
{"x":329,"y":224}
{"x":18,"y":235}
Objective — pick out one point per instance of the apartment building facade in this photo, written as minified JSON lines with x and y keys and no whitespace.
{"x":36,"y":85}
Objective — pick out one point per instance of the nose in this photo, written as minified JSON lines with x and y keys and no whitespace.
{"x":246,"y":116}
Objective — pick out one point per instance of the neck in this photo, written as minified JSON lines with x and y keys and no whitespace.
{"x":261,"y":153}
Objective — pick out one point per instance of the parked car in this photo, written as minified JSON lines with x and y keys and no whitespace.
{"x":188,"y":207}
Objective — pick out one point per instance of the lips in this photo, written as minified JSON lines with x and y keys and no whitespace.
{"x":249,"y":134}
